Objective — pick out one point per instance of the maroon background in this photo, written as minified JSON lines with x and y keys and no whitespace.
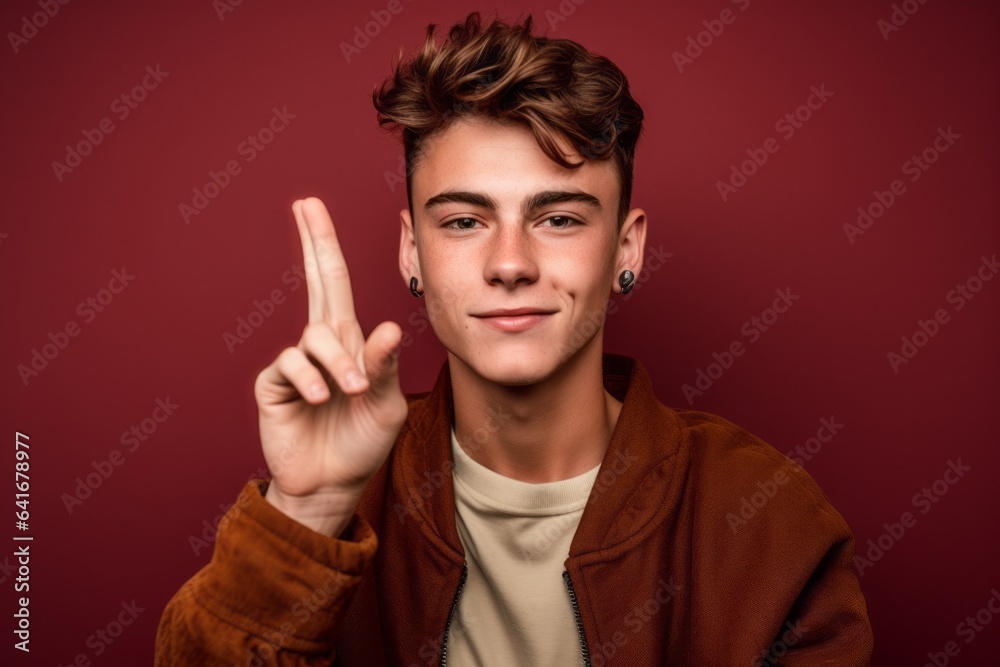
{"x":162,"y":335}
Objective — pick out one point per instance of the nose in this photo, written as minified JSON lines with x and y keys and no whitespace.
{"x":511,"y":256}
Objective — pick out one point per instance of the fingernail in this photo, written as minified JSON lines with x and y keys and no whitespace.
{"x":354,"y":380}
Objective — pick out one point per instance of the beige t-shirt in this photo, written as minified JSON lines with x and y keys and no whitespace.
{"x":514,"y":608}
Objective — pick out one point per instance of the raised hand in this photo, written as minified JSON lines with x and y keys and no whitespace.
{"x":331,"y":407}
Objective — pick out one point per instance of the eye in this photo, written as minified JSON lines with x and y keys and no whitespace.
{"x":459,"y":223}
{"x":566,"y":221}
{"x":451,"y":224}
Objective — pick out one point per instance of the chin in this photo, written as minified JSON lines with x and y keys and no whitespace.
{"x":515,"y":364}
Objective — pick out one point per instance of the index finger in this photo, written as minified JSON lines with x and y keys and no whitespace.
{"x":314,"y":286}
{"x":326,"y":263}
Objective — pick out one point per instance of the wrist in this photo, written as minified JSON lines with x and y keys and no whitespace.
{"x":328,"y":513}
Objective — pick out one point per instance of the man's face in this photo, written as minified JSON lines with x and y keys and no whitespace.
{"x":499,"y":225}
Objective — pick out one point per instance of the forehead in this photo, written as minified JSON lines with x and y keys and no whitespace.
{"x":505,"y":161}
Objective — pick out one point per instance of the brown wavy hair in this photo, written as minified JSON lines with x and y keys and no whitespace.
{"x":555,"y":86}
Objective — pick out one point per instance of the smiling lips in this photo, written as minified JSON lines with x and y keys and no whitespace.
{"x":514,"y":319}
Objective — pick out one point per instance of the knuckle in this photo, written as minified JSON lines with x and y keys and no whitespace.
{"x":317,"y":334}
{"x":345,"y":323}
{"x":259,"y":381}
{"x":311,"y":330}
{"x":287,"y":356}
{"x":401,"y":410}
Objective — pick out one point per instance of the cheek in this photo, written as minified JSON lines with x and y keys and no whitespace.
{"x":440,"y":262}
{"x":446,"y":284}
{"x":444,"y":312}
{"x":584,"y":276}
{"x":447,"y":278}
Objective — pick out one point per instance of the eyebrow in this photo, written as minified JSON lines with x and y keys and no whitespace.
{"x":530,"y":203}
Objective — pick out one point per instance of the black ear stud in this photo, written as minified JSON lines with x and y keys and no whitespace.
{"x":626,"y":280}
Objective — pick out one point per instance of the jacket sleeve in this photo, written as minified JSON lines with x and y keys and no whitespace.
{"x":773,"y":560}
{"x":827,"y":623}
{"x":273,"y":594}
{"x":830,"y":625}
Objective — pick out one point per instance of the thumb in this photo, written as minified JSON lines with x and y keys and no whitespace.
{"x":381,"y":357}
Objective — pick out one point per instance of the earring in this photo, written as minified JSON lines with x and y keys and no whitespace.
{"x":626,"y":280}
{"x":413,"y":287}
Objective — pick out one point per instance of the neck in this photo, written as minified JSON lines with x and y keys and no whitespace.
{"x":543,"y":432}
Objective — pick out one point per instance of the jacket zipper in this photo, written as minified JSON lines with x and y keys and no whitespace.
{"x":579,"y":621}
{"x":454,"y":605}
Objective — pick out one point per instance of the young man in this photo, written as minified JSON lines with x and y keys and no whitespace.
{"x":538,"y":506}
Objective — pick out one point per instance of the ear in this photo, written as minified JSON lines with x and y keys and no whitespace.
{"x":409,"y":262}
{"x":631,"y":247}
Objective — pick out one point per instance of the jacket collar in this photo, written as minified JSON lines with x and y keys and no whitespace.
{"x":637,"y":485}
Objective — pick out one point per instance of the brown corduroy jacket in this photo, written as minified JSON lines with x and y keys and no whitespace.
{"x":700,"y":545}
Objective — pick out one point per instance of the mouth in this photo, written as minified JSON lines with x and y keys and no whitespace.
{"x":514,"y":320}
